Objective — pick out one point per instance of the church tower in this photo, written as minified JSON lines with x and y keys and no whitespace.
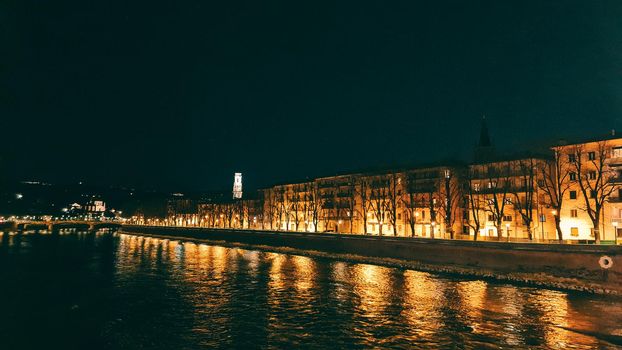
{"x":237,"y":186}
{"x":484,"y":151}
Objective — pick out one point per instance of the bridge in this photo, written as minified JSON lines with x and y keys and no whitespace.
{"x":56,"y":225}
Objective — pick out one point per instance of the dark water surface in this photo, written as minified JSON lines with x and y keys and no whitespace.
{"x":116,"y":291}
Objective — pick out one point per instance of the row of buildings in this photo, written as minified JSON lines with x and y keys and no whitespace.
{"x":572,"y":192}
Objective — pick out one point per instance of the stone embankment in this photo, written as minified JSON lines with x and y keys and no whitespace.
{"x":590,"y":268}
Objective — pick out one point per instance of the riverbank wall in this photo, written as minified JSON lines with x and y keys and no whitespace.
{"x":590,"y":268}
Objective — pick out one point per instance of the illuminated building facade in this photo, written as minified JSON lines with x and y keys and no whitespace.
{"x":561,"y":195}
{"x":592,"y":180}
{"x":505,"y":199}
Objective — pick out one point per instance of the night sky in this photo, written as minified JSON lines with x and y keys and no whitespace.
{"x":180,"y":94}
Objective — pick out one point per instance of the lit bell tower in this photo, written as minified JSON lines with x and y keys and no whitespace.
{"x":237,"y":186}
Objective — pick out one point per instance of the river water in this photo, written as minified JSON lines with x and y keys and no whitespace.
{"x":116,"y":291}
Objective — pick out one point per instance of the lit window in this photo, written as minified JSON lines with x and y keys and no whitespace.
{"x":573,"y":213}
{"x":574,"y":232}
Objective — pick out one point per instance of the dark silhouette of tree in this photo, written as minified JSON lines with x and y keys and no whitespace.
{"x":554,"y":182}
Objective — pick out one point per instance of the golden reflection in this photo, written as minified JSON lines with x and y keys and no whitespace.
{"x":506,"y":302}
{"x":219,"y":261}
{"x":252,"y":257}
{"x":422,"y":303}
{"x":276,"y":285}
{"x":372,"y":286}
{"x":342,"y":280}
{"x":554,"y":308}
{"x":472,"y":298}
{"x":304,"y":272}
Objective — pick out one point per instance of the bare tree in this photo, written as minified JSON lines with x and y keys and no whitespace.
{"x":497,"y":193}
{"x":339,"y":206}
{"x":450,"y":194}
{"x":594,"y":177}
{"x":350,"y":201}
{"x":410,"y":201}
{"x":295,"y":204}
{"x":554,"y":182}
{"x":269,"y":209}
{"x":315,"y":204}
{"x":288,"y":208}
{"x":305,"y":204}
{"x":278,"y":201}
{"x":378,"y":198}
{"x":362,"y":189}
{"x":431,"y":207}
{"x":475,"y":205}
{"x":393,"y":195}
{"x":523,"y":193}
{"x":229,"y":212}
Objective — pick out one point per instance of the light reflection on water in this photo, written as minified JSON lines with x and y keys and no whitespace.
{"x":123,"y":291}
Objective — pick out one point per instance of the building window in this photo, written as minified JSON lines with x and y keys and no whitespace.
{"x":592,"y":194}
{"x":490,"y":218}
{"x":573,"y":213}
{"x":573,"y":176}
{"x":540,"y":183}
{"x":423,"y":214}
{"x":542,"y":218}
{"x":399,"y":216}
{"x":617,"y":152}
{"x":592,"y":175}
{"x":507,"y":218}
{"x":572,"y":158}
{"x":574,"y":232}
{"x":465,"y":230}
{"x":465,"y":215}
{"x":573,"y":194}
{"x":591,"y":155}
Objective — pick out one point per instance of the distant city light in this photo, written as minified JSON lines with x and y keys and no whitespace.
{"x":19,"y":196}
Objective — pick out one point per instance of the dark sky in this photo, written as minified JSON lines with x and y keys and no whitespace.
{"x":180,"y":94}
